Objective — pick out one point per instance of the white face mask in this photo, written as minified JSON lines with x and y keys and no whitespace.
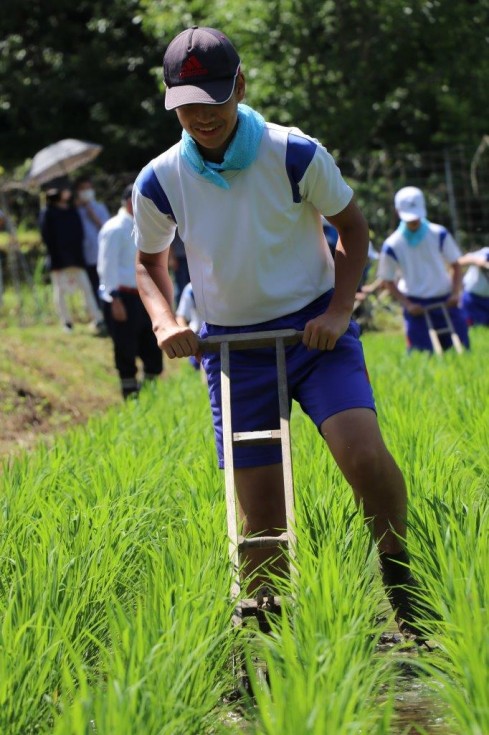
{"x":87,"y":195}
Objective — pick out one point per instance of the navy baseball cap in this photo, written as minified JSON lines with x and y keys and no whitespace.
{"x":200,"y":66}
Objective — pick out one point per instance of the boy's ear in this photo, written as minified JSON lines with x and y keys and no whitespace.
{"x":240,"y":86}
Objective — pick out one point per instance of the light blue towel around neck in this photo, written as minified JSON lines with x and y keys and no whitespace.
{"x":241,"y":152}
{"x":414,"y":238}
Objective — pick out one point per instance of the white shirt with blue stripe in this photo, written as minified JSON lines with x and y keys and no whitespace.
{"x":476,"y":280}
{"x":188,"y":309}
{"x":422,"y":267}
{"x":255,"y":251}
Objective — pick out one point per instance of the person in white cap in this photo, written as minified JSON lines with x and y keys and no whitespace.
{"x":419,"y":265}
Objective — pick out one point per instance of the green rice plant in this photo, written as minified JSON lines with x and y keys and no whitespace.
{"x":323,"y":670}
{"x":436,"y":414}
{"x":458,"y":537}
{"x":114,"y":576}
{"x":97,"y":548}
{"x":164,"y":666}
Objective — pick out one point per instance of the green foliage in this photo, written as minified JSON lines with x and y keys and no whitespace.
{"x":114,"y":578}
{"x":81,"y":71}
{"x":361,"y":76}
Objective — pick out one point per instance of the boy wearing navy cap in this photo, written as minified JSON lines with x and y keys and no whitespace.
{"x":247,"y":196}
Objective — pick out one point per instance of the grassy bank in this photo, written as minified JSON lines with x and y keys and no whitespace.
{"x":49,"y":380}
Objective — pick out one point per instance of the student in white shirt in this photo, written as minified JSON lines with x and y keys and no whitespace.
{"x":247,"y":196}
{"x":128,"y":322}
{"x":475,"y":297}
{"x":425,"y":258}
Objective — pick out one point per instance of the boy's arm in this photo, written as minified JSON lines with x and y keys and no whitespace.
{"x":410,"y":306}
{"x":350,"y":258}
{"x":473,"y":259}
{"x":456,"y":270}
{"x":156,"y":291}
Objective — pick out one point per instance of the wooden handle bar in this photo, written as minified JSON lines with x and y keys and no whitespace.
{"x":437,"y":305}
{"x":250,"y":340}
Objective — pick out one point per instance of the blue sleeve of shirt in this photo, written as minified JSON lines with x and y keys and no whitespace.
{"x":389,"y":250}
{"x":299,"y":154}
{"x":149,"y":186}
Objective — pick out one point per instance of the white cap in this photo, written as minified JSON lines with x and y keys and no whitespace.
{"x":410,"y":204}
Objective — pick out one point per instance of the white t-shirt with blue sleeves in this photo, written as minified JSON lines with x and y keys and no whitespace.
{"x":255,"y":251}
{"x":188,"y":309}
{"x":476,"y":280}
{"x":422,"y":268}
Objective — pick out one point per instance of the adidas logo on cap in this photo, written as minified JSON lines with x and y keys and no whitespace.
{"x":192,"y":67}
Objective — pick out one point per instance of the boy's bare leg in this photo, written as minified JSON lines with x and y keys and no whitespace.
{"x":261,"y":509}
{"x":354,"y":438}
{"x":355,"y":441}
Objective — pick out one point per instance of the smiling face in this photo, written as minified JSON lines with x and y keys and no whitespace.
{"x":213,"y":126}
{"x":414,"y":225}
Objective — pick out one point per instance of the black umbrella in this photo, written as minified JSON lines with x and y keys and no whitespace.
{"x":58,"y":159}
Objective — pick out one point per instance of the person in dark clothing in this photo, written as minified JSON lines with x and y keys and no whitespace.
{"x":178,"y":266}
{"x":62,"y":234}
{"x":128,"y":321}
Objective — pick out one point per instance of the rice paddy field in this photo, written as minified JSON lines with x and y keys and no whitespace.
{"x":114,"y":576}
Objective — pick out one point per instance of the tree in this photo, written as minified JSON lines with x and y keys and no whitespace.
{"x":359,"y":74}
{"x":80,"y":70}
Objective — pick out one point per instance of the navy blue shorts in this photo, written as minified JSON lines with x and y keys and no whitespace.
{"x":417,"y":335}
{"x":322,"y":382}
{"x":475,"y":308}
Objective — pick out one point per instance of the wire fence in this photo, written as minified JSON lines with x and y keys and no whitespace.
{"x":455,"y":183}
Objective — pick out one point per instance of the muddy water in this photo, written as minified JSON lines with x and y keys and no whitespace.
{"x":417,"y":710}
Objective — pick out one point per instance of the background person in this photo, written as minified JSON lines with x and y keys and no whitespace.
{"x":267,"y":270}
{"x":362,"y":311}
{"x":93,"y":215}
{"x":5,"y":226}
{"x":421,"y":252}
{"x":475,"y":296}
{"x":128,"y":322}
{"x":178,"y":266}
{"x":187,"y":315}
{"x":62,"y":233}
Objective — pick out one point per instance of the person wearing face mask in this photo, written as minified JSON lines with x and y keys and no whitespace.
{"x":427,"y":258}
{"x":62,"y":234}
{"x":93,"y":215}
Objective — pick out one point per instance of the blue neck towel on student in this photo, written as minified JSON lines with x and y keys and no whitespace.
{"x":240,"y":153}
{"x":414,"y":238}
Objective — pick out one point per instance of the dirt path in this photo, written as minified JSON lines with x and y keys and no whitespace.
{"x":50,"y":381}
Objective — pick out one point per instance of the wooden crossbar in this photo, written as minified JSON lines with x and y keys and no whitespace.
{"x":237,"y":543}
